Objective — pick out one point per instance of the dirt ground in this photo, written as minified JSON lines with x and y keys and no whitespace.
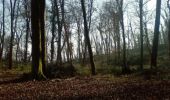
{"x":84,"y":88}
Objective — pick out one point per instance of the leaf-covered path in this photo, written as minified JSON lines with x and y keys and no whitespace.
{"x":96,"y":87}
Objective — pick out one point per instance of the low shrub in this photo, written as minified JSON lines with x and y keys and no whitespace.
{"x":55,"y":71}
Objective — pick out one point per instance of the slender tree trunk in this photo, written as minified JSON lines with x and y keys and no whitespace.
{"x":133,"y":36}
{"x":26,"y":40}
{"x":15,"y":31}
{"x":79,"y":40}
{"x":141,"y":33}
{"x":3,"y":35}
{"x":12,"y":13}
{"x":156,"y":35}
{"x":66,"y":28}
{"x":11,"y":43}
{"x":169,"y":35}
{"x":59,"y":57}
{"x":53,"y":31}
{"x":27,"y":21}
{"x":147,"y":38}
{"x":17,"y":50}
{"x":86,"y":34}
{"x":118,"y":39}
{"x":125,"y":68}
{"x":168,"y":3}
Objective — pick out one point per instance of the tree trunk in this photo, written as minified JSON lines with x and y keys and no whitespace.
{"x":86,"y":34}
{"x":147,"y":38}
{"x":78,"y":42}
{"x":12,"y":13}
{"x":59,"y":57}
{"x":53,"y":29}
{"x":156,"y":35}
{"x":27,"y":21}
{"x":125,"y":68}
{"x":168,"y":3}
{"x":38,"y":38}
{"x":3,"y":35}
{"x":133,"y":36}
{"x":169,"y":36}
{"x":141,"y":33}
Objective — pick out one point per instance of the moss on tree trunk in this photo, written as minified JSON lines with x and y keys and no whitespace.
{"x":38,"y":38}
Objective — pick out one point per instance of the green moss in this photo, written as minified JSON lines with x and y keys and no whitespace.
{"x":40,"y":70}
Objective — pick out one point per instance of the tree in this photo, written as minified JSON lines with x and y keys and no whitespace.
{"x":27,"y":24}
{"x":125,"y":68}
{"x":87,"y":39}
{"x":141,"y":32}
{"x":76,"y":15}
{"x":12,"y":15}
{"x":17,"y":36}
{"x":53,"y":29}
{"x":3,"y":33}
{"x":168,"y":3}
{"x":59,"y":23}
{"x":38,"y":38}
{"x":156,"y":35}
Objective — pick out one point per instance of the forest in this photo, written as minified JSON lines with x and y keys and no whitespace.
{"x":85,"y":49}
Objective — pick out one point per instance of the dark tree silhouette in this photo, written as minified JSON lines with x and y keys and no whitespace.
{"x":125,"y":68}
{"x":156,"y":35}
{"x":27,"y":24}
{"x":87,"y":39}
{"x":12,"y":15}
{"x":3,"y":33}
{"x":141,"y":32}
{"x":38,"y":38}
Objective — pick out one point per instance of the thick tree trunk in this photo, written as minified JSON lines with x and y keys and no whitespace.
{"x":156,"y":35}
{"x":42,"y":26}
{"x":86,"y":34}
{"x":38,"y":36}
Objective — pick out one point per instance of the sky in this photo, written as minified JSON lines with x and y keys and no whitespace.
{"x":151,"y":3}
{"x":131,"y":9}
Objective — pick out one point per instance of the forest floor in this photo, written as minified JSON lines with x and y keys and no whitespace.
{"x":99,"y":87}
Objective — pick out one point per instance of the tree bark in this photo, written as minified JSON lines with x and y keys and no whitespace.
{"x":86,"y":34}
{"x":38,"y":37}
{"x":147,"y":38}
{"x":27,"y":21}
{"x":12,"y":8}
{"x":3,"y":34}
{"x":156,"y":35}
{"x":59,"y":23}
{"x":125,"y":68}
{"x":168,"y":3}
{"x":141,"y":33}
{"x":53,"y":21}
